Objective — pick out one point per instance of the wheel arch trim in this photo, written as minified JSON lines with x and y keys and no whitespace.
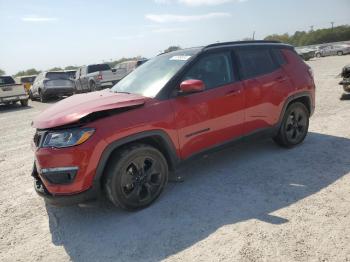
{"x":290,"y":99}
{"x":167,"y":143}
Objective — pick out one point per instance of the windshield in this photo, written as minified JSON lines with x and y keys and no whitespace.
{"x":57,"y":75}
{"x":151,"y":77}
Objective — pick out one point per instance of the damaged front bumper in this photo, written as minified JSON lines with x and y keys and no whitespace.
{"x":62,"y":200}
{"x":346,"y":84}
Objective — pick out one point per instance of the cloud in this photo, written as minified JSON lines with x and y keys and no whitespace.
{"x":38,"y":19}
{"x":198,"y":2}
{"x":167,"y":18}
{"x":128,"y":37}
{"x":169,"y":30}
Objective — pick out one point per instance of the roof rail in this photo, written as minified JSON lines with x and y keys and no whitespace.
{"x":244,"y":42}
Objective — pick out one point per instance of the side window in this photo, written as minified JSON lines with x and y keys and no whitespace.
{"x":278,"y":56}
{"x":255,"y":62}
{"x":213,"y":69}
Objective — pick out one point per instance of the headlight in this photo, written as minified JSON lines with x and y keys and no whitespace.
{"x":67,"y":138}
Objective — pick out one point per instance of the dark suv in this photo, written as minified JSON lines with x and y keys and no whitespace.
{"x":124,"y":141}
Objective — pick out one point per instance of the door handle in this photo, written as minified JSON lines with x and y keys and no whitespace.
{"x":233,"y":92}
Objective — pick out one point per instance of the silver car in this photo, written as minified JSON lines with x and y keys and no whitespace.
{"x":333,"y":50}
{"x":51,"y":84}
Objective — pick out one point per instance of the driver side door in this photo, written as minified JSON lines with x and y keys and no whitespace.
{"x":215,"y":115}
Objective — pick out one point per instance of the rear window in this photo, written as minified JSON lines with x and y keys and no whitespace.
{"x":57,"y":75}
{"x":96,"y":68}
{"x":255,"y":62}
{"x":29,"y":79}
{"x":6,"y":80}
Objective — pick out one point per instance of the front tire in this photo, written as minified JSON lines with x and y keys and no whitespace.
{"x":318,"y":55}
{"x":339,"y":53}
{"x":136,"y":176}
{"x":294,"y":126}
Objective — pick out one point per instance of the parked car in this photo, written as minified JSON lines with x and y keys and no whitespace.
{"x":333,"y":50}
{"x":10,"y":92}
{"x":27,"y":81}
{"x":94,"y":77}
{"x":345,"y":74}
{"x":71,"y":73}
{"x":306,"y":53}
{"x":125,"y":68}
{"x":51,"y":84}
{"x":124,"y":141}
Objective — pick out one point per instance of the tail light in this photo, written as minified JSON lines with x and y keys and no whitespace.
{"x":99,"y":77}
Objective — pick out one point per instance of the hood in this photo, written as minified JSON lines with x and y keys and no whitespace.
{"x":72,"y":109}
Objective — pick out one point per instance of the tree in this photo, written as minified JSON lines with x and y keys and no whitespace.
{"x":71,"y":67}
{"x":172,"y":48}
{"x":312,"y":37}
{"x":2,"y":72}
{"x":55,"y":69}
{"x":121,"y":60}
{"x":28,"y":72}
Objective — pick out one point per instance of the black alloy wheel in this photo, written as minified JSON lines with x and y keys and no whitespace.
{"x":294,"y":126}
{"x":136,"y":176}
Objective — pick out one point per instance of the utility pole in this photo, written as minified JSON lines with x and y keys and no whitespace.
{"x":332,"y":25}
{"x":253,"y":35}
{"x":311,"y":28}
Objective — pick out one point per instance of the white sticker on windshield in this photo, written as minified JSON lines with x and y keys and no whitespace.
{"x":180,"y":57}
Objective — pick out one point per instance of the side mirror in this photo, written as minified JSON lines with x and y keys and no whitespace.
{"x":192,"y":86}
{"x":114,"y":70}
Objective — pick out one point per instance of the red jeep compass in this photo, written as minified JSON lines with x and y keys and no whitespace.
{"x":125,"y":140}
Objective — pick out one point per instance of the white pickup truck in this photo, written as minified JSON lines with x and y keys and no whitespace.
{"x":10,"y":92}
{"x":95,"y":77}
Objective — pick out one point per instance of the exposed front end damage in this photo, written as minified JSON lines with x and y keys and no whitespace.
{"x":345,"y":74}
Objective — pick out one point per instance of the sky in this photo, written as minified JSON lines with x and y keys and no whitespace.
{"x":43,"y":34}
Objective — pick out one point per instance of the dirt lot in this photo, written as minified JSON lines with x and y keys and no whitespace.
{"x":252,"y":202}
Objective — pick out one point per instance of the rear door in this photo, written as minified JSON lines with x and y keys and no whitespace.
{"x":215,"y":115}
{"x":266,"y":85}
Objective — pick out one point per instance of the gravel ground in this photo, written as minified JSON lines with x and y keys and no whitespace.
{"x":251,"y":202}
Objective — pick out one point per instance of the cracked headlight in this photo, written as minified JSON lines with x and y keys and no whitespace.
{"x":67,"y":138}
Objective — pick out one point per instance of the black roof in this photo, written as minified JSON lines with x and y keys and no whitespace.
{"x":250,"y":42}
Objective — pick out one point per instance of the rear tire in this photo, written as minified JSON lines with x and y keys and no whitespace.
{"x":294,"y":126}
{"x":42,"y":97}
{"x":31,"y":95}
{"x":339,"y":53}
{"x":135,"y":176}
{"x":92,"y":86}
{"x":318,"y":55}
{"x":24,"y":102}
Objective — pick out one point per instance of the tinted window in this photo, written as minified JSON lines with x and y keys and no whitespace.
{"x":255,"y":62}
{"x":28,"y":79}
{"x":6,"y":80}
{"x":96,"y":68}
{"x":214,"y":70}
{"x":279,"y":58}
{"x":56,"y":75}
